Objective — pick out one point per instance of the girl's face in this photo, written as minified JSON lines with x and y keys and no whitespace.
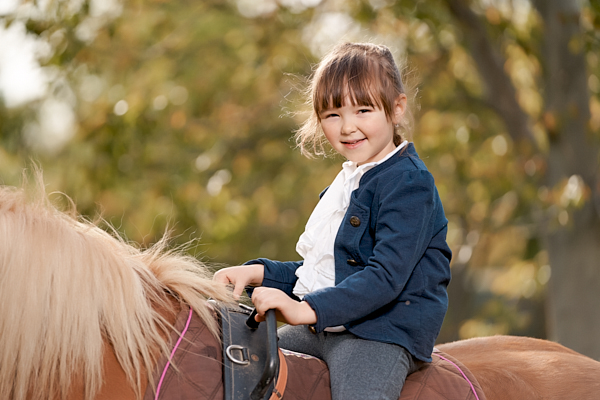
{"x":362,"y":134}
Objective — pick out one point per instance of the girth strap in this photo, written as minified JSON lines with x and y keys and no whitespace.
{"x":282,"y":378}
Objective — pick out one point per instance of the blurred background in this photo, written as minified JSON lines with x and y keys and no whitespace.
{"x":159,"y":114}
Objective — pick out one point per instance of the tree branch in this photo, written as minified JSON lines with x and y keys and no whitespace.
{"x":500,"y":92}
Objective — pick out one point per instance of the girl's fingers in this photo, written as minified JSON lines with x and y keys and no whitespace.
{"x":267,"y":298}
{"x":221,"y":277}
{"x":238,"y":290}
{"x":239,"y":277}
{"x":259,"y":299}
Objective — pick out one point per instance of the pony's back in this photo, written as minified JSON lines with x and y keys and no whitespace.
{"x":512,"y":367}
{"x":69,"y":288}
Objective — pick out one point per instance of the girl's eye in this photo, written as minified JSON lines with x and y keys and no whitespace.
{"x":330,"y":115}
{"x":364,"y":110}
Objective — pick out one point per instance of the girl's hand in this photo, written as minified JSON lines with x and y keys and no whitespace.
{"x":240,"y":277}
{"x":289,"y":310}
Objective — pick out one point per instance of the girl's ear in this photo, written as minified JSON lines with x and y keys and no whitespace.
{"x":399,"y":108}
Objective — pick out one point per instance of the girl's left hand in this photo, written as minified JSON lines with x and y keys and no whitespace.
{"x":289,"y":310}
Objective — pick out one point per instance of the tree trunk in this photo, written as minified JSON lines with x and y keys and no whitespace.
{"x":573,"y":248}
{"x":574,"y":288}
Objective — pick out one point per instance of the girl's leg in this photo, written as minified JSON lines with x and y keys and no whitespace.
{"x":365,"y":369}
{"x":300,"y":339}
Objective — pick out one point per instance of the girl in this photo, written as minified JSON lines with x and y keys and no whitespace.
{"x":370,"y":295}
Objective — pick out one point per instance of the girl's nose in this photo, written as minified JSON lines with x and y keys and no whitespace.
{"x":348,"y":127}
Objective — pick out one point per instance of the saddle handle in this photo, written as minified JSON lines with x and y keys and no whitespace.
{"x":251,"y":322}
{"x":272,"y":364}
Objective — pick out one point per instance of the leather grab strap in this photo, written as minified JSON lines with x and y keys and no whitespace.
{"x":281,"y":378}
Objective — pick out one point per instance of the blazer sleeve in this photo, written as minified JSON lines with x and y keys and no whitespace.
{"x":278,"y":274}
{"x":405,"y":219}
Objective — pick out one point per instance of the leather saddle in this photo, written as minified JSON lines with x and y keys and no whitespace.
{"x":251,"y":357}
{"x":254,"y":368}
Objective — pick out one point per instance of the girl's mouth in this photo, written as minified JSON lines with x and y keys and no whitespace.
{"x":353,"y":143}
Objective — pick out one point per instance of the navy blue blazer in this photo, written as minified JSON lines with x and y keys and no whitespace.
{"x":392,"y":262}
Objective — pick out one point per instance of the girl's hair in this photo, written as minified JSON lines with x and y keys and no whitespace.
{"x":367,"y":73}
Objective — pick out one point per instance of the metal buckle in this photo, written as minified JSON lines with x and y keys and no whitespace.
{"x":242,"y":349}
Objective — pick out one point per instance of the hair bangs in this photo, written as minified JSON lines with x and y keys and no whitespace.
{"x":360,"y":84}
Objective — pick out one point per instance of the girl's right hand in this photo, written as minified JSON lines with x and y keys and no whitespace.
{"x":241,"y":276}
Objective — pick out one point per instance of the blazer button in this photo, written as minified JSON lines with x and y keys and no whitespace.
{"x":355,"y":221}
{"x":352,"y":262}
{"x":312,"y":329}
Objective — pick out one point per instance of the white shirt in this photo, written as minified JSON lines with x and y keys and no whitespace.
{"x":316,"y":243}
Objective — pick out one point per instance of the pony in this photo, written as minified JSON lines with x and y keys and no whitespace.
{"x":87,"y":315}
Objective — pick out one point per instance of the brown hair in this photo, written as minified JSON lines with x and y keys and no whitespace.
{"x":367,"y":73}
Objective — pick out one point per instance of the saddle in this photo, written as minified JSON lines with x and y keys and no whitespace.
{"x":200,"y":368}
{"x":251,"y":377}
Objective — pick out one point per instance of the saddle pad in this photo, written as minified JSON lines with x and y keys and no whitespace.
{"x":308,"y":377}
{"x":196,"y":369}
{"x":441,"y":380}
{"x":438,"y":380}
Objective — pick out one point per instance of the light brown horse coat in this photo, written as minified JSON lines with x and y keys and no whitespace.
{"x":510,"y":367}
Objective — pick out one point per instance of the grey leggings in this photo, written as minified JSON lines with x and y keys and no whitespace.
{"x":359,"y":369}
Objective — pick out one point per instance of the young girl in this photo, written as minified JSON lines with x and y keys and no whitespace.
{"x":370,"y":295}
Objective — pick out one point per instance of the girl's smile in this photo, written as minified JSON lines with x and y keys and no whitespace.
{"x":353,"y":144}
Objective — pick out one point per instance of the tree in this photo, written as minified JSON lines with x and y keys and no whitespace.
{"x":179,"y":115}
{"x":570,"y":227}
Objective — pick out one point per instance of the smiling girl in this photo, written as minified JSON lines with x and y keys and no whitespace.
{"x":369,"y":296}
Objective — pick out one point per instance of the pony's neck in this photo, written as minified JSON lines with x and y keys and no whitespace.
{"x":115,"y":385}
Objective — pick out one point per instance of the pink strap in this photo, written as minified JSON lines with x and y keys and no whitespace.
{"x":162,"y":377}
{"x":461,"y":372}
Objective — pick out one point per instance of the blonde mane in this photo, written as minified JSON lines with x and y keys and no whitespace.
{"x":69,"y":288}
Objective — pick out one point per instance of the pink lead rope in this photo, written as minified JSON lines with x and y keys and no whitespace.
{"x":162,"y":377}
{"x":461,"y":372}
